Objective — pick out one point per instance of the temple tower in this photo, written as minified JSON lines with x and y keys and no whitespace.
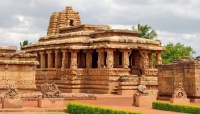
{"x":66,"y":18}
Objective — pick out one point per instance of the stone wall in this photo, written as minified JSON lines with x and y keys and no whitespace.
{"x":17,"y":69}
{"x":185,"y":70}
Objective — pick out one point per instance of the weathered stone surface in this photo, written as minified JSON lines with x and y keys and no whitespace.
{"x":50,"y":91}
{"x":144,"y":101}
{"x":17,"y":69}
{"x":12,"y":103}
{"x":51,"y":103}
{"x":81,"y":57}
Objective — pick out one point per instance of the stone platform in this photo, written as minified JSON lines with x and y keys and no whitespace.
{"x":51,"y":102}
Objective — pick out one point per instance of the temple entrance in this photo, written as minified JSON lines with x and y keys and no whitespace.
{"x":94,"y":59}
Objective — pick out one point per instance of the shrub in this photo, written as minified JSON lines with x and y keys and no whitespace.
{"x":79,"y":108}
{"x":176,"y":107}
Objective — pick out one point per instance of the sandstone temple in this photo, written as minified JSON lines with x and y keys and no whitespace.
{"x":94,"y":58}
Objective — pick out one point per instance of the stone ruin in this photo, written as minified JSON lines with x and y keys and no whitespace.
{"x":184,"y":70}
{"x":17,"y":69}
{"x":12,"y":93}
{"x":143,"y":90}
{"x":179,"y":95}
{"x":50,"y":91}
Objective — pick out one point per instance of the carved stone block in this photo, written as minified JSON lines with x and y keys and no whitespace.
{"x":51,"y":103}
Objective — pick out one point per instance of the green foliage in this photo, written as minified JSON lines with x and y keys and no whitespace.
{"x":25,"y":42}
{"x":146,"y":31}
{"x":176,"y":108}
{"x":78,"y":108}
{"x":173,"y":52}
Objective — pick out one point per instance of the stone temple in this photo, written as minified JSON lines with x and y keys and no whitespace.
{"x":84,"y":58}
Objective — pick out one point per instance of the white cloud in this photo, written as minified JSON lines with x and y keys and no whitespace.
{"x":189,"y":36}
{"x":175,"y":21}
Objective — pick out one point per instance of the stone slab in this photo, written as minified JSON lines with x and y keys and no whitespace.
{"x":180,"y":101}
{"x":51,"y":102}
{"x":12,"y":103}
{"x":144,"y":101}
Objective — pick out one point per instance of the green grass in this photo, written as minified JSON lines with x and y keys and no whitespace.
{"x":33,"y":113}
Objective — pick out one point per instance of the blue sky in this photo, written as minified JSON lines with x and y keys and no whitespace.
{"x":174,"y":20}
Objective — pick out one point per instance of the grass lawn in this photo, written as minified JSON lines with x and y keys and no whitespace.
{"x":33,"y":113}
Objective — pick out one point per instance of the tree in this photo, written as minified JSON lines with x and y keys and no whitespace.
{"x":146,"y":31}
{"x":25,"y":42}
{"x":173,"y":52}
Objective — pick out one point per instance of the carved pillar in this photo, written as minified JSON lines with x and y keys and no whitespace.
{"x":42,"y":59}
{"x":158,"y":58}
{"x":49,"y":59}
{"x":145,"y":60}
{"x":73,"y":63}
{"x":109,"y":59}
{"x":125,"y":59}
{"x":150,"y":60}
{"x":89,"y":59}
{"x":63,"y":59}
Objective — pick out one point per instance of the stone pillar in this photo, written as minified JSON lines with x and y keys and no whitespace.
{"x":145,"y":60}
{"x":89,"y":59}
{"x":125,"y":59}
{"x":49,"y":59}
{"x":63,"y":59}
{"x":100,"y":58}
{"x":158,"y":58}
{"x":56,"y":58}
{"x":73,"y":63}
{"x":109,"y":59}
{"x":42,"y":59}
{"x":150,"y":60}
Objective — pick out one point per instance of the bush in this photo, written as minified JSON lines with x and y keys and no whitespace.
{"x":79,"y":108}
{"x":176,"y":107}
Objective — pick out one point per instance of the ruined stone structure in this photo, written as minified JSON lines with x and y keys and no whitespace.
{"x":17,"y":69}
{"x":91,"y":58}
{"x":50,"y":91}
{"x":185,"y":70}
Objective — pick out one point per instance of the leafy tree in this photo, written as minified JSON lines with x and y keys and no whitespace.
{"x":25,"y":42}
{"x":146,"y":31}
{"x":173,"y":52}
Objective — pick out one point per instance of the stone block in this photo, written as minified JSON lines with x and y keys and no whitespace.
{"x":51,"y":102}
{"x":144,"y":101}
{"x":180,"y":101}
{"x":12,"y":103}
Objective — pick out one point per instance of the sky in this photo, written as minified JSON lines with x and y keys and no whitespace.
{"x":174,"y":20}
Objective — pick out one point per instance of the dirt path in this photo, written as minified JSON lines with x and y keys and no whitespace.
{"x":121,"y":102}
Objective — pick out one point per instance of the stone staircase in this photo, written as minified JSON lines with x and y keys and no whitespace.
{"x":114,"y":91}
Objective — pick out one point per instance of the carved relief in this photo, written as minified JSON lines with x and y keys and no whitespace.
{"x":126,"y":62}
{"x":146,"y":60}
{"x":179,"y":92}
{"x":128,"y":78}
{"x":137,"y":58}
{"x":50,"y":91}
{"x":110,"y":59}
{"x":12,"y":93}
{"x":143,"y":90}
{"x":73,"y":64}
{"x":150,"y":72}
